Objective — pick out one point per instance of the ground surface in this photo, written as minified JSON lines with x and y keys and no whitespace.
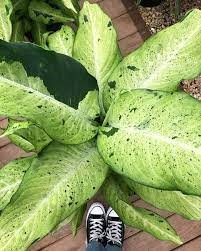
{"x":131,"y":33}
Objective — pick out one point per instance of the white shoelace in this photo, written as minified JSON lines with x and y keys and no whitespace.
{"x":96,"y":229}
{"x":113,"y":232}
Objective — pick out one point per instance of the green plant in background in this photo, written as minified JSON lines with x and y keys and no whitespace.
{"x":126,"y":129}
{"x":28,"y":20}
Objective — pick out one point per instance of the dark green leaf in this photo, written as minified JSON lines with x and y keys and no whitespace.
{"x":64,"y":77}
{"x":42,"y":12}
{"x":37,"y":32}
{"x":18,"y":31}
{"x":20,"y":8}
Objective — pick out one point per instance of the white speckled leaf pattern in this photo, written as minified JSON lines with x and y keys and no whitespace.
{"x":90,"y":105}
{"x":137,"y":217}
{"x":42,"y":12}
{"x":36,"y":136}
{"x":14,"y":125}
{"x":11,"y":176}
{"x":60,"y":181}
{"x":162,"y":62}
{"x":5,"y":23}
{"x":21,"y":133}
{"x":60,"y":121}
{"x":27,"y":136}
{"x":37,"y":84}
{"x":154,"y":138}
{"x":96,"y":43}
{"x":62,"y":40}
{"x":16,"y":72}
{"x":188,"y":206}
{"x":21,"y":143}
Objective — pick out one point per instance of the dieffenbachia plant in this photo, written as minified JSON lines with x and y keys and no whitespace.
{"x":93,"y":120}
{"x":23,"y":20}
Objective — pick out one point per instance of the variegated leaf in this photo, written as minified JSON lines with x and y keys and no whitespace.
{"x":62,"y":40}
{"x":11,"y":176}
{"x":96,"y":44}
{"x":188,"y":206}
{"x":5,"y":23}
{"x":68,"y":126}
{"x":42,"y":12}
{"x":59,"y":182}
{"x":136,"y":217}
{"x":90,"y":105}
{"x":162,"y":62}
{"x":154,"y":138}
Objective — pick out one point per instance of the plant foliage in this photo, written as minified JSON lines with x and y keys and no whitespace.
{"x":82,"y":110}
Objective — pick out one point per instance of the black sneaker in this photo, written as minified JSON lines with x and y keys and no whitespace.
{"x":115,"y":228}
{"x":95,"y":223}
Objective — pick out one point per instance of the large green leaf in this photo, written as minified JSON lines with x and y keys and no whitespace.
{"x":137,"y":217}
{"x":5,"y":23}
{"x":59,"y":182}
{"x":154,"y":138}
{"x":14,"y":126}
{"x":162,"y":61}
{"x":64,"y":77}
{"x":96,"y":43}
{"x":60,"y":121}
{"x":36,"y":136}
{"x":62,"y":40}
{"x":23,"y":133}
{"x":188,"y":206}
{"x":11,"y":176}
{"x":42,"y":12}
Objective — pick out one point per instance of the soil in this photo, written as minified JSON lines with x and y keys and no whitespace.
{"x":159,"y":17}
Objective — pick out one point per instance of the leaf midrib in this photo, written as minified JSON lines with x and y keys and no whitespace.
{"x":162,"y":138}
{"x":55,"y":188}
{"x":147,"y":221}
{"x":94,"y":46}
{"x":43,"y":96}
{"x":161,"y":67}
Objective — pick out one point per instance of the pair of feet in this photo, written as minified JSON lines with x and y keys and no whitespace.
{"x":104,"y":227}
